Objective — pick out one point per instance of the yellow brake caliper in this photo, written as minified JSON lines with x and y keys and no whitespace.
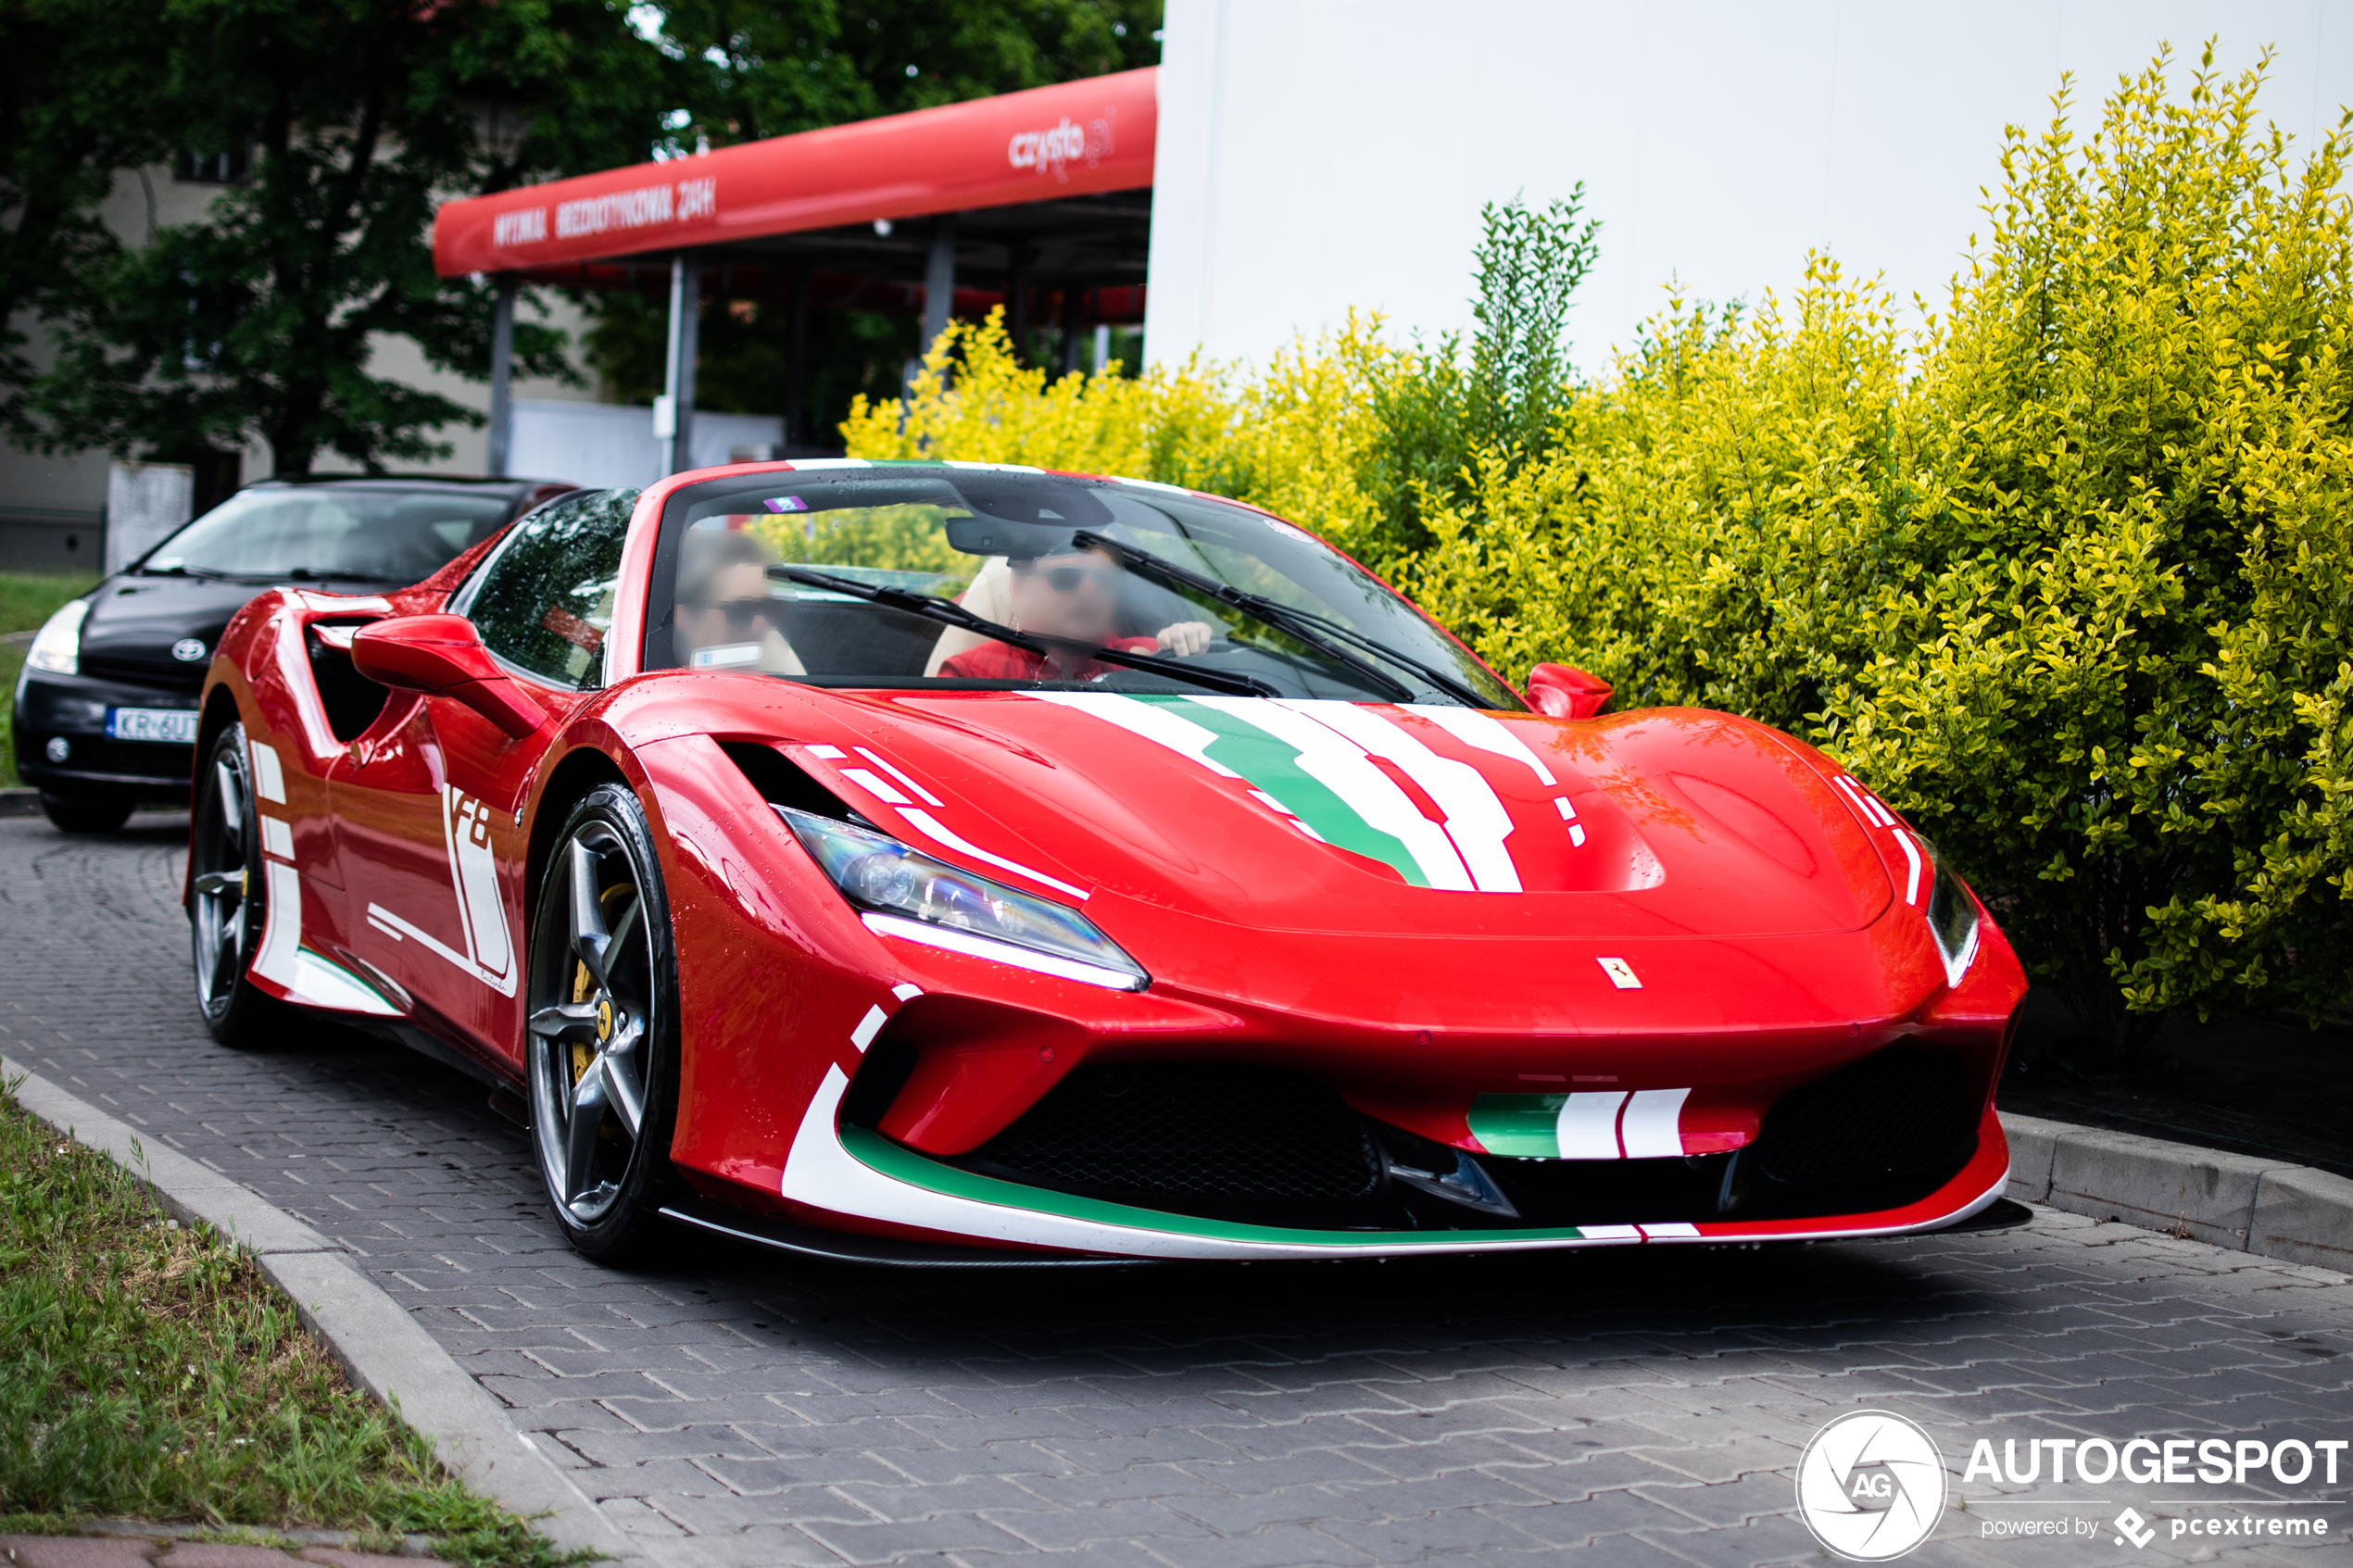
{"x":581,"y":982}
{"x":580,"y":1053}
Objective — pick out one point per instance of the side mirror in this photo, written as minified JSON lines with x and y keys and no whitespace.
{"x":443,"y":656}
{"x":1564,"y":691}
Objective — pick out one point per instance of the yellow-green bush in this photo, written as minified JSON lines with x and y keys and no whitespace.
{"x":2067,"y":574}
{"x":1295,"y":438}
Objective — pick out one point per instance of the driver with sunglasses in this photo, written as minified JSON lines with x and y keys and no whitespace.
{"x":1074,"y":593}
{"x":726,"y":617}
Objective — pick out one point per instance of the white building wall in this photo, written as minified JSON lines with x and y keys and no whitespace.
{"x":1316,"y":154}
{"x":607,"y":445}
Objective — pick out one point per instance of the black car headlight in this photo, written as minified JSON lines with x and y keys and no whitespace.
{"x":902,"y":892}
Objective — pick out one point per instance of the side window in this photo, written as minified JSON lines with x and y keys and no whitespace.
{"x":544,"y":602}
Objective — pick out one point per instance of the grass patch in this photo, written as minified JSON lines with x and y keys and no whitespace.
{"x":148,"y":1371}
{"x":27,"y":599}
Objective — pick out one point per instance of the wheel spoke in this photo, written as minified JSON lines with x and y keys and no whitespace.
{"x":224,"y":961}
{"x":232,"y":804}
{"x":580,"y":1133}
{"x":589,"y":938}
{"x":627,"y":1099}
{"x":207,"y":945}
{"x":617,"y":950}
{"x":565,"y":1021}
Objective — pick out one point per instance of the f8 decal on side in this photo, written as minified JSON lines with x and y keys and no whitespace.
{"x":489,"y":957}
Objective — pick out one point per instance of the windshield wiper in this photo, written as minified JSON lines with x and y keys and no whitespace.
{"x":1304,"y":625}
{"x":181,"y":569}
{"x":954,"y":614}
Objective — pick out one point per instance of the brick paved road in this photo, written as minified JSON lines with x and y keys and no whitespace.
{"x":1625,"y":1408}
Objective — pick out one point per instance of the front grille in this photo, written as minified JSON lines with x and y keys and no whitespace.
{"x":1226,"y":1141}
{"x":1189,"y":1131}
{"x":185,"y":680}
{"x":1899,"y":1116}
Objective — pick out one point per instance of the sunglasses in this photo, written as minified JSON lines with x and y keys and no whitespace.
{"x":743,"y":614}
{"x":1068,"y":579}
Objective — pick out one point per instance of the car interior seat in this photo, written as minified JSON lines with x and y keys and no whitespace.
{"x":990,"y":596}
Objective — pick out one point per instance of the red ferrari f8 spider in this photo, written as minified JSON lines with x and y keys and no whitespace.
{"x":951,"y":862}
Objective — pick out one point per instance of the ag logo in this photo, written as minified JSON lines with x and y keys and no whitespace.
{"x":1871,"y":1486}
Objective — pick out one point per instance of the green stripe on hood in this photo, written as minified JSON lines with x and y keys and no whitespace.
{"x":1272,"y":764}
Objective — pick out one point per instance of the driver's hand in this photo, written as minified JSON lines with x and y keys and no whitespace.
{"x":1185,"y":639}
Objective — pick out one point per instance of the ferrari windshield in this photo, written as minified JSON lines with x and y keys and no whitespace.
{"x":387,"y":533}
{"x":984,"y":578}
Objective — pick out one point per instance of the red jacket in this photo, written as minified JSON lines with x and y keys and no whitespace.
{"x":1002,"y":662}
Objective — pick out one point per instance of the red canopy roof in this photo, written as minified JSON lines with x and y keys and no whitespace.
{"x":1075,"y":139}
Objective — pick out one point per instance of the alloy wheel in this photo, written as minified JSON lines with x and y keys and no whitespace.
{"x":223,"y":881}
{"x":589,"y":1033}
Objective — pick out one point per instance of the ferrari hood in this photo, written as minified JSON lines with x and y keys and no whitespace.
{"x":1348,"y":817}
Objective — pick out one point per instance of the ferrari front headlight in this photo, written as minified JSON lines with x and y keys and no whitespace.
{"x":57,"y":647}
{"x":902,"y":892}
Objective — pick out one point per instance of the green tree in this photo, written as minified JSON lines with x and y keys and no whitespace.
{"x":77,"y":106}
{"x":260,"y":319}
{"x":781,"y":66}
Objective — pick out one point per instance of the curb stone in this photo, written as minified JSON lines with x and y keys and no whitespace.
{"x":2267,"y":1207}
{"x":19,"y":803}
{"x":378,"y":1344}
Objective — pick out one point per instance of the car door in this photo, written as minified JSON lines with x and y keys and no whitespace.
{"x":427,"y":806}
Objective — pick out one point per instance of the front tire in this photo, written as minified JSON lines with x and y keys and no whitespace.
{"x":601,"y":1045}
{"x":96,"y":813}
{"x":228,"y":903}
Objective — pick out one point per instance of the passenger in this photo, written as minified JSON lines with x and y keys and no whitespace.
{"x":727,"y":611}
{"x":1073,"y":595}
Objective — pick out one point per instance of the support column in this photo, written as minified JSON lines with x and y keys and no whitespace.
{"x":1017,"y":302}
{"x":1072,"y":296}
{"x":797,"y":361}
{"x":939,"y":280}
{"x":502,"y":376}
{"x":678,"y":414}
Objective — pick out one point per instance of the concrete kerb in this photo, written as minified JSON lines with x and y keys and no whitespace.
{"x":2264,"y":1206}
{"x":379,"y":1344}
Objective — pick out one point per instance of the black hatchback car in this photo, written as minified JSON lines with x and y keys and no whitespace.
{"x":105,"y":711}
